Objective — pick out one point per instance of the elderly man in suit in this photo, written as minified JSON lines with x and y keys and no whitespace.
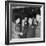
{"x":31,"y":28}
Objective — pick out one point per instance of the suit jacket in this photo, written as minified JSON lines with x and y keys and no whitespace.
{"x":38,"y":30}
{"x":31,"y":31}
{"x":24,"y":31}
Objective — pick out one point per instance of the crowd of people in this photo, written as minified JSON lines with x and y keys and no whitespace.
{"x":29,"y":27}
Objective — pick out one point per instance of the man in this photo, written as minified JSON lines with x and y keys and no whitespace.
{"x":38,"y":18}
{"x":31,"y":28}
{"x":24,"y":27}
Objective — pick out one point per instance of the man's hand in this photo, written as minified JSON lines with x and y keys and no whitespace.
{"x":21,"y":33}
{"x":18,"y":33}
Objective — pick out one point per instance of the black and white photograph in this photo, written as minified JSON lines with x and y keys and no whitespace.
{"x":25,"y":22}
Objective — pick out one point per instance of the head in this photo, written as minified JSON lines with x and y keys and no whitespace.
{"x":38,"y":17}
{"x":17,"y":21}
{"x":30,"y":21}
{"x":25,"y":18}
{"x":35,"y":22}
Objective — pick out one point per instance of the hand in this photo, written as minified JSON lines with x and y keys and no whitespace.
{"x":21,"y":33}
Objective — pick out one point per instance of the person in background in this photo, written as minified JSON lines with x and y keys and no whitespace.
{"x":24,"y":27}
{"x":16,"y":29}
{"x":38,"y":18}
{"x":23,"y":21}
{"x":30,"y":29}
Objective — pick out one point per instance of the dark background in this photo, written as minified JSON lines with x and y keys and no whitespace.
{"x":25,"y":12}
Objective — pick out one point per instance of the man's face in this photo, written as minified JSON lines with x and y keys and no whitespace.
{"x":25,"y":19}
{"x":30,"y":21}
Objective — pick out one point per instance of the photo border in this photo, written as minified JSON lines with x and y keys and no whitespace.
{"x":7,"y":22}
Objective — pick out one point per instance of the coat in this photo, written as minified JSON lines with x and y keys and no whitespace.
{"x":38,"y":30}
